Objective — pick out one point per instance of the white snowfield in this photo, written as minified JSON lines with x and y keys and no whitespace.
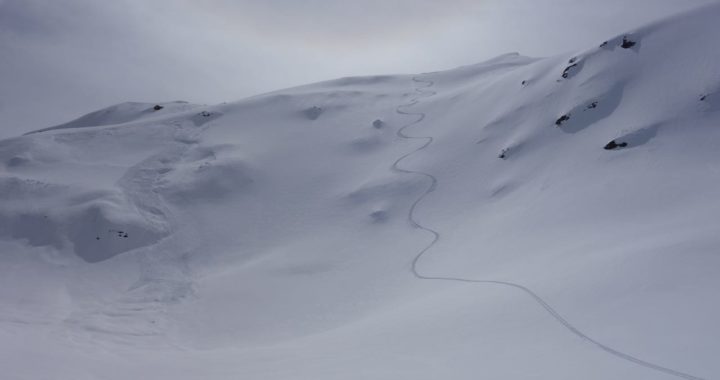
{"x":522,"y":218}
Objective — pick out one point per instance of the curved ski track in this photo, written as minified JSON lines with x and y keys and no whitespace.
{"x":436,"y":236}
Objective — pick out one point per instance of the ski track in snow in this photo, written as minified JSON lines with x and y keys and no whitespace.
{"x":422,"y":92}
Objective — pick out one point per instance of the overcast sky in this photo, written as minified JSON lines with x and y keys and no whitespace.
{"x":62,"y":58}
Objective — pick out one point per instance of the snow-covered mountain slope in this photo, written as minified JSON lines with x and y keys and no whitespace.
{"x":123,"y":113}
{"x":520,"y":218}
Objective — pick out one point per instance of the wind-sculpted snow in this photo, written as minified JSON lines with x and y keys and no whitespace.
{"x":119,"y":210}
{"x":498,"y":220}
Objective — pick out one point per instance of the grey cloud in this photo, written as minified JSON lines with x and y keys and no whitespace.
{"x":342,"y":21}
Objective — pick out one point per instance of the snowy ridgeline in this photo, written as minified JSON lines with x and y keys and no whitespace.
{"x":519,"y":218}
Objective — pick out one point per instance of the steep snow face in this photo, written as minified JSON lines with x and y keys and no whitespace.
{"x":548,"y":218}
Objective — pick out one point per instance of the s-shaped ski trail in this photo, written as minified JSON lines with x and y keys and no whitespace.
{"x":423,"y":92}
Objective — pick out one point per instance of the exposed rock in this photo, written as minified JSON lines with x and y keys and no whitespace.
{"x":627,"y":44}
{"x":562,"y":119}
{"x":566,"y":72}
{"x":614,"y":145}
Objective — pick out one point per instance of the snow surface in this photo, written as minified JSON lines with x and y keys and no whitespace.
{"x":461,"y":224}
